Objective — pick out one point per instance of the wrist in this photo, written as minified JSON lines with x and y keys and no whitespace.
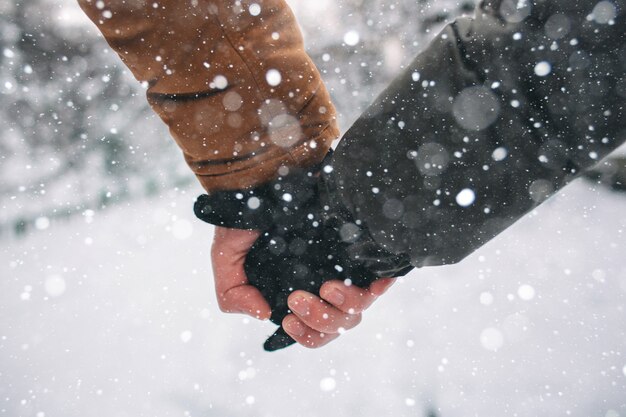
{"x":263,"y":206}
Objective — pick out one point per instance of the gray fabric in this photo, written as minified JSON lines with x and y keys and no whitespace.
{"x":500,"y":112}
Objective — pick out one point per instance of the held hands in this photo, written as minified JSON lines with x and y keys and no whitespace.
{"x":283,"y":273}
{"x":315,"y":321}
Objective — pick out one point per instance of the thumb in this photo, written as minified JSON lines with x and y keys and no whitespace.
{"x":245,"y":299}
{"x":234,"y":293}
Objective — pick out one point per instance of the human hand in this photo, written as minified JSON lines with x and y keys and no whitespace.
{"x":317,"y":321}
{"x":320,"y":321}
{"x":234,"y":293}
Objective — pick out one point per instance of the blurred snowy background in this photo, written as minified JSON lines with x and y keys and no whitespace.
{"x":106,"y":299}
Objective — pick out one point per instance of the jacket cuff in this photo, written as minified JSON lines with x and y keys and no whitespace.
{"x":273,"y":203}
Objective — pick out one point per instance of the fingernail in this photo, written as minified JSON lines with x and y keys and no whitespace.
{"x":336,"y":297}
{"x":300,"y":306}
{"x":294,"y":327}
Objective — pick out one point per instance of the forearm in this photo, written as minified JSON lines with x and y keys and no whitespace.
{"x":499,"y":113}
{"x":233,"y":83}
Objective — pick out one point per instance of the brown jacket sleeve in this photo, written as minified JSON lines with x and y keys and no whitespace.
{"x":231,"y":80}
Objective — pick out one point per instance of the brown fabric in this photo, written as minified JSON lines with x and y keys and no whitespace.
{"x":209,"y":65}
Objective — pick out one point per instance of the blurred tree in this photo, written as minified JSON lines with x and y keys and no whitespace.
{"x":75,"y":125}
{"x":370,"y":42}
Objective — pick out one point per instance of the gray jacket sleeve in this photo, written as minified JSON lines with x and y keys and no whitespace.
{"x":500,"y":112}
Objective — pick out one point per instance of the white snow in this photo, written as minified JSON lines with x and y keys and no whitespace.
{"x":351,"y":38}
{"x":42,"y":223}
{"x":543,"y":68}
{"x":604,"y":12}
{"x":328,"y":384}
{"x":491,"y":339}
{"x":526,"y":292}
{"x":55,"y":285}
{"x":499,"y":154}
{"x":254,"y":203}
{"x":255,"y":9}
{"x":185,"y":336}
{"x":273,"y":77}
{"x":220,"y":82}
{"x":114,"y":343}
{"x":465,"y":197}
{"x":486,"y":298}
{"x":182,"y":229}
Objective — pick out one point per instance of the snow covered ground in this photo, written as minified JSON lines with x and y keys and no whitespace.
{"x":113,"y":314}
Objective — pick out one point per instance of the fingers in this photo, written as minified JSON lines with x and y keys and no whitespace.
{"x":352,"y":299}
{"x":319,"y":315}
{"x":305,"y":335}
{"x":234,"y":294}
{"x":244,"y":299}
{"x":317,"y":321}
